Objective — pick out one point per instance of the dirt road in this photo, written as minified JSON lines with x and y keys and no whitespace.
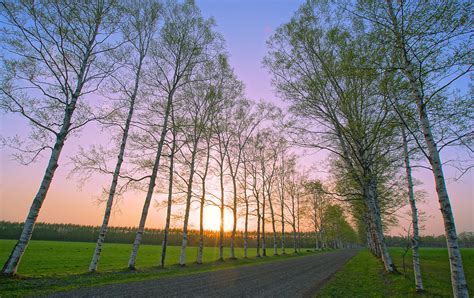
{"x":295,"y":277}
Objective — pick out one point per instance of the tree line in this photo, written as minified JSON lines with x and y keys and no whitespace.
{"x":81,"y":233}
{"x":373,"y":83}
{"x":369,"y":82}
{"x":154,"y":75}
{"x":466,"y":240}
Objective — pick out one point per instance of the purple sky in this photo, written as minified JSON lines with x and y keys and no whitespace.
{"x":246,"y":25}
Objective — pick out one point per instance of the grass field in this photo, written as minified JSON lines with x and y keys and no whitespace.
{"x":50,"y":266}
{"x":363,"y":276}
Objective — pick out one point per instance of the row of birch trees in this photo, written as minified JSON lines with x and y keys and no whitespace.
{"x":154,"y":77}
{"x":373,"y":83}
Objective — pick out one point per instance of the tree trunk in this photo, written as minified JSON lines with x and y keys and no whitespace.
{"x":264,"y":248}
{"x":414,"y":217}
{"x":201,"y":208}
{"x":295,"y":241}
{"x":298,"y":223}
{"x":234,"y":212}
{"x":246,"y":225}
{"x":258,"y":226}
{"x":169,"y":203}
{"x":221,"y":228}
{"x":11,"y":265}
{"x":275,"y":242}
{"x":282,"y":228}
{"x":184,"y":244}
{"x":458,"y":278}
{"x":457,"y":271}
{"x":293,"y":223}
{"x":118,"y":166}
{"x":372,"y":205}
{"x":151,"y":185}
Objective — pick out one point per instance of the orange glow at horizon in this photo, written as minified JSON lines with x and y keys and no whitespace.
{"x":212,"y":219}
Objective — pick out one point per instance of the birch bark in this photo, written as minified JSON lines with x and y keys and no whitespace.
{"x":152,"y":183}
{"x":458,"y":278}
{"x":166,"y":231}
{"x":11,"y":265}
{"x":414,"y":216}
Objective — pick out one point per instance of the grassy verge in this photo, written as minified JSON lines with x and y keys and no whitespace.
{"x":363,"y":276}
{"x":50,"y":266}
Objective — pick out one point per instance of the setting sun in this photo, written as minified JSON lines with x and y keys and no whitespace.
{"x":212,"y":219}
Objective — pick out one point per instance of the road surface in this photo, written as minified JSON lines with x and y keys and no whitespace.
{"x":295,"y":277}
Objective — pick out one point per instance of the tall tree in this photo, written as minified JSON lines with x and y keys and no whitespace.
{"x":173,"y":148}
{"x":316,"y":65}
{"x":201,"y":99}
{"x":139,"y":25}
{"x":414,"y":214}
{"x":429,"y":45}
{"x":56,"y":51}
{"x":247,"y":117}
{"x":186,"y":41}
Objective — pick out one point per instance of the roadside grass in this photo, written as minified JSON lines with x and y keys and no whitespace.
{"x":364,"y":276}
{"x":52,"y":266}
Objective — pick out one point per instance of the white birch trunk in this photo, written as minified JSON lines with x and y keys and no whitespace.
{"x":234,"y":213}
{"x":295,"y":239}
{"x":246,"y":224}
{"x":11,"y":265}
{"x":414,"y":217}
{"x":164,"y":244}
{"x":298,"y":222}
{"x":201,"y":210}
{"x":371,"y":201}
{"x":118,"y":166}
{"x":264,"y":248}
{"x":275,"y":242}
{"x":184,"y":244}
{"x":458,"y":278}
{"x":221,"y":227}
{"x":201,"y":227}
{"x":151,"y":185}
{"x":258,"y":225}
{"x":283,"y":252}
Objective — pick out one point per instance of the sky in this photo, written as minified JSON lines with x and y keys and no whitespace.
{"x":245,"y":25}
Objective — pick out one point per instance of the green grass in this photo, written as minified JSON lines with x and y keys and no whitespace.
{"x":50,"y":266}
{"x":363,"y":276}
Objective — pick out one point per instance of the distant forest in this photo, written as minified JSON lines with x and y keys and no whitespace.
{"x":81,"y":233}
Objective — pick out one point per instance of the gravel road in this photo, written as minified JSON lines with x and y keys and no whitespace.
{"x":295,"y":277}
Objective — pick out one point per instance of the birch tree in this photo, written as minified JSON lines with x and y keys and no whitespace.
{"x":186,"y":40}
{"x":253,"y":162}
{"x":315,"y":200}
{"x":247,"y":117}
{"x":269,"y":159}
{"x":429,"y":45}
{"x":140,"y":23}
{"x":201,"y":100}
{"x":314,"y":66}
{"x":414,"y":214}
{"x":173,"y":149}
{"x":283,"y":168}
{"x":221,"y":126}
{"x":54,"y":59}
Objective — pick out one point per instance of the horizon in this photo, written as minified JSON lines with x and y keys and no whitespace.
{"x":246,"y":43}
